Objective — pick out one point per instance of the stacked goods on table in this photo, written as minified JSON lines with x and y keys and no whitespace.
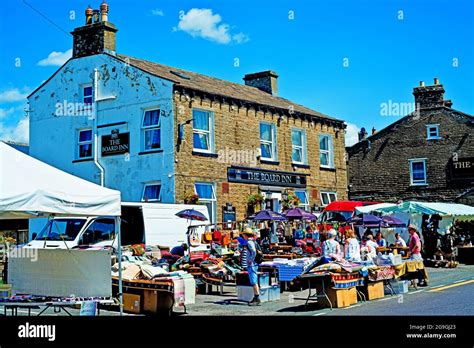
{"x":291,"y":269}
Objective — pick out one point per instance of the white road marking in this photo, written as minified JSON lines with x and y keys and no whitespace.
{"x":317,"y":314}
{"x":385,"y":298}
{"x":414,"y":292}
{"x":437,"y":286}
{"x":459,"y":281}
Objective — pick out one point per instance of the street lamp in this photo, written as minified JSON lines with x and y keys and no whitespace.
{"x":284,"y":195}
{"x":268,"y":196}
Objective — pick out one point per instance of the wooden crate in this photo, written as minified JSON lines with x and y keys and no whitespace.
{"x":132,"y":303}
{"x":340,"y":297}
{"x":373,"y":290}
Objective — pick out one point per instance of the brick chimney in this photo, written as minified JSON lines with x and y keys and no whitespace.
{"x":430,"y":96}
{"x":265,"y":81}
{"x":96,"y":36}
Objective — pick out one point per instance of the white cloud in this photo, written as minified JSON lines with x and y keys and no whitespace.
{"x":207,"y":25}
{"x":56,"y":58}
{"x":13,"y":95}
{"x":157,"y":12}
{"x":352,"y":136}
{"x":7,"y":112}
{"x":17,"y":133}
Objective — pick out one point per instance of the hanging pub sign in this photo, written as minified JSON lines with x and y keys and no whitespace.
{"x":463,"y":168}
{"x":265,"y":177}
{"x":228,"y":213}
{"x":116,"y":143}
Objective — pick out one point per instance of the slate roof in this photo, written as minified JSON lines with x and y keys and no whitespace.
{"x":214,"y":86}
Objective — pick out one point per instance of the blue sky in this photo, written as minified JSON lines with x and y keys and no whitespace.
{"x":342,"y":58}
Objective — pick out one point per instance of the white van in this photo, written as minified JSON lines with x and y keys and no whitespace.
{"x":148,"y":223}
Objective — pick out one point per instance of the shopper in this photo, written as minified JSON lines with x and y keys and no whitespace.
{"x":399,"y":241}
{"x":331,"y":248}
{"x":415,"y":251}
{"x":351,"y":247}
{"x":380,"y":240}
{"x":179,"y":250}
{"x":249,"y":254}
{"x":372,"y":246}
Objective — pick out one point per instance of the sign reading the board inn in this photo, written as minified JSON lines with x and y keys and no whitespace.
{"x":116,"y":143}
{"x":265,"y":177}
{"x":463,"y":168}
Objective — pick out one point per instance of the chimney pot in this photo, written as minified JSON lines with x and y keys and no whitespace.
{"x":422,"y":83}
{"x":374,"y":130}
{"x":436,"y":81}
{"x":104,"y":10}
{"x":89,"y":12}
{"x":265,"y":81}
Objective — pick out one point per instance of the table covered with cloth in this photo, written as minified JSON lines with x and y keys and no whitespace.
{"x":410,"y":269}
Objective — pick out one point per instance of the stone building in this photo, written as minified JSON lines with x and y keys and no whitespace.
{"x":427,"y":155}
{"x":161,"y":134}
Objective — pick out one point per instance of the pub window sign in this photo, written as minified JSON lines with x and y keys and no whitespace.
{"x":115,"y":143}
{"x":463,"y":168}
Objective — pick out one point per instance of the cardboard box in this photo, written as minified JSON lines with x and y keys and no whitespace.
{"x":339,"y":297}
{"x":156,"y":301}
{"x":373,"y":290}
{"x":131,"y":303}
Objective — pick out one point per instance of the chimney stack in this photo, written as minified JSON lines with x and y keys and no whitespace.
{"x":430,"y":96}
{"x":96,"y":36}
{"x":374,"y":130}
{"x":265,"y":81}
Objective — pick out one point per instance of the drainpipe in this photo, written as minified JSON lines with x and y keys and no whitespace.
{"x":96,"y":137}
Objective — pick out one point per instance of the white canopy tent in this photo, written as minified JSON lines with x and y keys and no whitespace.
{"x":30,"y":188}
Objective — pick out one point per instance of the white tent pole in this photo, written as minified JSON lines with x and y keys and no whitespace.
{"x":119,"y":255}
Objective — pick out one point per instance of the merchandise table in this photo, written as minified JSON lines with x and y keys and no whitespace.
{"x":58,"y":306}
{"x":316,"y":277}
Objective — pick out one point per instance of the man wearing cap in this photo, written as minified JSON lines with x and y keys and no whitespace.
{"x":331,"y":248}
{"x":415,"y":251}
{"x":249,"y":253}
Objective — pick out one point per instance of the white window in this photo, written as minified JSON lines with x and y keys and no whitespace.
{"x":207,"y":196}
{"x":418,"y":172}
{"x":151,"y":129}
{"x":203,"y":131}
{"x":326,"y":151}
{"x":298,"y":146}
{"x":328,"y":197}
{"x":84,"y":149}
{"x":151,"y":192}
{"x":268,"y":141}
{"x":304,"y":202}
{"x":432,"y":131}
{"x":87,"y":93}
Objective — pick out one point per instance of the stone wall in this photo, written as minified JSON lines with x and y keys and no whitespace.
{"x":238,"y":129}
{"x":382,"y":173}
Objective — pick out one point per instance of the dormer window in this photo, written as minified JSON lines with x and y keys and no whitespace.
{"x":432,"y":131}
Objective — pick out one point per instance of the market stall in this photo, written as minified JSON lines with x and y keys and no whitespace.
{"x":30,"y":188}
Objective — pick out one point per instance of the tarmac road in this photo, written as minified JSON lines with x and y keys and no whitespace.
{"x":450,"y":292}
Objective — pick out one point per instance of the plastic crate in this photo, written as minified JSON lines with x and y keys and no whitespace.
{"x":274,"y":293}
{"x":245,"y":293}
{"x":399,"y":287}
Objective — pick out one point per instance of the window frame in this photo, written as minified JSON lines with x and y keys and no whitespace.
{"x":151,"y":183}
{"x":79,"y":143}
{"x":428,"y":133}
{"x":328,"y":193}
{"x":209,"y":132}
{"x":145,"y":129}
{"x":417,"y":183}
{"x":85,"y":105}
{"x":329,"y":152}
{"x":273,"y":142}
{"x":213,"y":201}
{"x":98,"y":220}
{"x":305,"y":205}
{"x":302,"y":147}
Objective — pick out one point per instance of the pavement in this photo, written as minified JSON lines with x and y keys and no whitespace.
{"x":449,"y":293}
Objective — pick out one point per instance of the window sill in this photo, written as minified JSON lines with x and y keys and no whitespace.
{"x":439,"y":138}
{"x":418,"y":185}
{"x":301,"y":165}
{"x":205,"y":154}
{"x":268,"y":161}
{"x":151,"y":151}
{"x":329,"y":169}
{"x":83,"y":160}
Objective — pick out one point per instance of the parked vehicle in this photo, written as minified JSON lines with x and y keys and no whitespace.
{"x":148,"y":223}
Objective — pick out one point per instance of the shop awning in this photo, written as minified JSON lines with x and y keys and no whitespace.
{"x":413,"y":207}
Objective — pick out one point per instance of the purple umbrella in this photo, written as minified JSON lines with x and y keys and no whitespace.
{"x":269,"y":215}
{"x":392,"y":221}
{"x":191,"y":214}
{"x":367,"y":219}
{"x":299,"y":214}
